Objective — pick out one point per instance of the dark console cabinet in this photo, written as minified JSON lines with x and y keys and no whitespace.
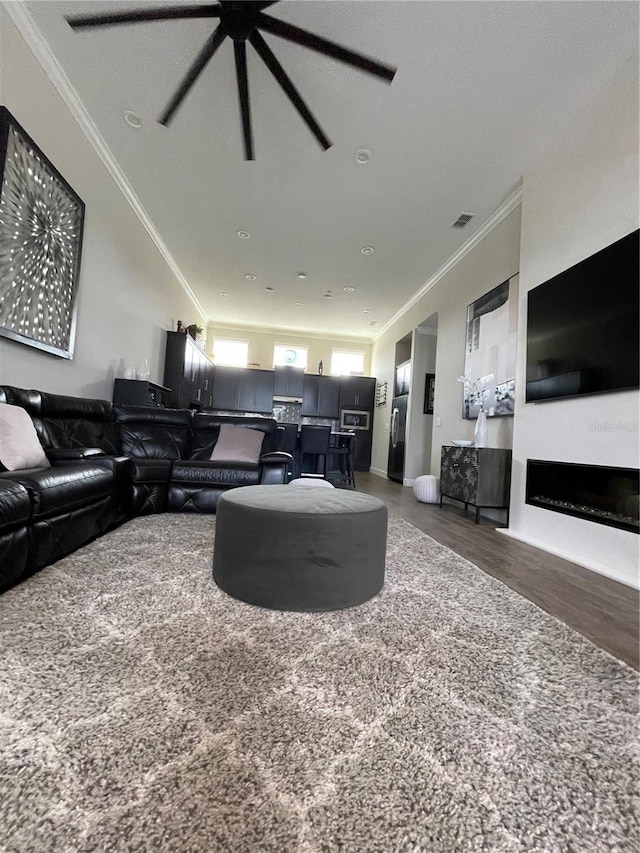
{"x":480,"y":476}
{"x":139,"y":392}
{"x":188,"y":372}
{"x":237,"y":389}
{"x":357,"y":392}
{"x":321,"y":396}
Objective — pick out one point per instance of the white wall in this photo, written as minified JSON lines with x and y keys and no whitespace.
{"x":262,"y":341}
{"x":582,"y":201}
{"x":420,"y":426}
{"x":127,"y":294}
{"x":491,"y":261}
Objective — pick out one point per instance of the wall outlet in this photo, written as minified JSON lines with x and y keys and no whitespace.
{"x":438,"y":421}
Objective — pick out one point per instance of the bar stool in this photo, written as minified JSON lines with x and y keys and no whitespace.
{"x":314,"y":450}
{"x":288,"y":441}
{"x":342,"y":449}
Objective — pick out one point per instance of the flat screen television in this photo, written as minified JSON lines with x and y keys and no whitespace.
{"x":582,"y":326}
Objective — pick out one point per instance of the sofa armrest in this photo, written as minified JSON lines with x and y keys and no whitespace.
{"x":278,"y":457}
{"x":274,"y":467}
{"x":72,"y":454}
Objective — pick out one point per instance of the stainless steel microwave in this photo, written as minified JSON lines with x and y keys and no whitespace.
{"x":354,"y":419}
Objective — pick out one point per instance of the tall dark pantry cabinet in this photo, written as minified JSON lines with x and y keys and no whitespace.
{"x":188,"y":372}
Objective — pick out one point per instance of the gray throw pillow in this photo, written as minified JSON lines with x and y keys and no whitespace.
{"x":19,"y":443}
{"x":238,"y":444}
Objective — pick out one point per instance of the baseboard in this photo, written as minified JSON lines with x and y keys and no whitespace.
{"x":378,"y":472}
{"x":565,"y":555}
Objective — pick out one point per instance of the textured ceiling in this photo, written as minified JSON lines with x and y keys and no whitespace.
{"x":482,"y":91}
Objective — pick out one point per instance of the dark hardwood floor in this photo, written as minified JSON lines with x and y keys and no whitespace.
{"x":604,"y":611}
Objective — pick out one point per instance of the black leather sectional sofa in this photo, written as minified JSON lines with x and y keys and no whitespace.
{"x":109,"y":464}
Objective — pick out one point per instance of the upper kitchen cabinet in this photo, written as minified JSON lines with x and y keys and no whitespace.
{"x":357,"y":392}
{"x":321,"y":396}
{"x":288,"y":381}
{"x":236,"y":389}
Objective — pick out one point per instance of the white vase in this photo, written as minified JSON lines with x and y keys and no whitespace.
{"x":142,"y":370}
{"x":480,"y":432}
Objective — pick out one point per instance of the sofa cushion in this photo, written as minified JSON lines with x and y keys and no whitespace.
{"x":216,"y":474}
{"x":237,"y":444}
{"x":19,"y":443}
{"x":206,"y":431}
{"x":148,"y":433}
{"x":15,"y":506}
{"x":63,"y":488}
{"x":67,"y":422}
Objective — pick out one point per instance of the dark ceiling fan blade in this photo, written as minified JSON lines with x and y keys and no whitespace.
{"x":141,"y":16}
{"x":321,"y":45}
{"x":267,"y":56}
{"x":240,"y":51}
{"x":212,"y":44}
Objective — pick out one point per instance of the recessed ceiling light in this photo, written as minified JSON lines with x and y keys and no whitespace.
{"x":367,"y":250}
{"x":302,"y":275}
{"x":362,"y":156}
{"x":366,"y":311}
{"x":327,"y":296}
{"x":349,"y":289}
{"x":225,"y":295}
{"x":298,"y":304}
{"x":269,"y":289}
{"x":133,"y":119}
{"x":243,"y":235}
{"x":372,"y":322}
{"x":250,"y":277}
{"x":295,"y":324}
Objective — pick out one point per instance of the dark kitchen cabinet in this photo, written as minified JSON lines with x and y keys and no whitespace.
{"x":237,"y":389}
{"x":321,"y":396}
{"x":480,"y":476}
{"x":226,"y":388}
{"x":256,"y":391}
{"x":362,"y":450}
{"x":188,"y":373}
{"x":288,"y":381}
{"x":357,"y":392}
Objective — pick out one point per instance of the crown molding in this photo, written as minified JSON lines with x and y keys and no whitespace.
{"x":21,"y":17}
{"x":509,"y":204}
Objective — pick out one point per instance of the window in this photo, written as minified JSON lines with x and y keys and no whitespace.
{"x":233,"y":353}
{"x":343,"y":362}
{"x":290,"y":356}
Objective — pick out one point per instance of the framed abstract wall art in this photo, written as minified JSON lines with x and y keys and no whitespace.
{"x":429,"y":393}
{"x":41,"y":226}
{"x":490,"y":353}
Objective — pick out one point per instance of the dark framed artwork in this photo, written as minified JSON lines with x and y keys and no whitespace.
{"x":490,"y":353}
{"x":41,"y":225}
{"x":429,"y":393}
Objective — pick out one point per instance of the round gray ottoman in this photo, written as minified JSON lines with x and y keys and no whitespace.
{"x":299,"y":549}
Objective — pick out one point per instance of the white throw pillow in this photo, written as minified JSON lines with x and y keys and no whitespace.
{"x":19,"y":443}
{"x":238,"y":444}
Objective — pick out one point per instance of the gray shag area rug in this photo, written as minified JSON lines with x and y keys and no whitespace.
{"x":142,"y":709}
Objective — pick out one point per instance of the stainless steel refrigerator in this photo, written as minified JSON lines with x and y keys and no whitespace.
{"x":398,"y":427}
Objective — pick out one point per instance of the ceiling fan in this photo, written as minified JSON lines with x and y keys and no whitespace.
{"x":241,"y":21}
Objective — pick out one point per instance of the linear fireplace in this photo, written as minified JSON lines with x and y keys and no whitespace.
{"x":605,"y":495}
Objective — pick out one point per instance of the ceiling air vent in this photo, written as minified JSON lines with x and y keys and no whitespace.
{"x":462,"y":220}
{"x":372,"y":322}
